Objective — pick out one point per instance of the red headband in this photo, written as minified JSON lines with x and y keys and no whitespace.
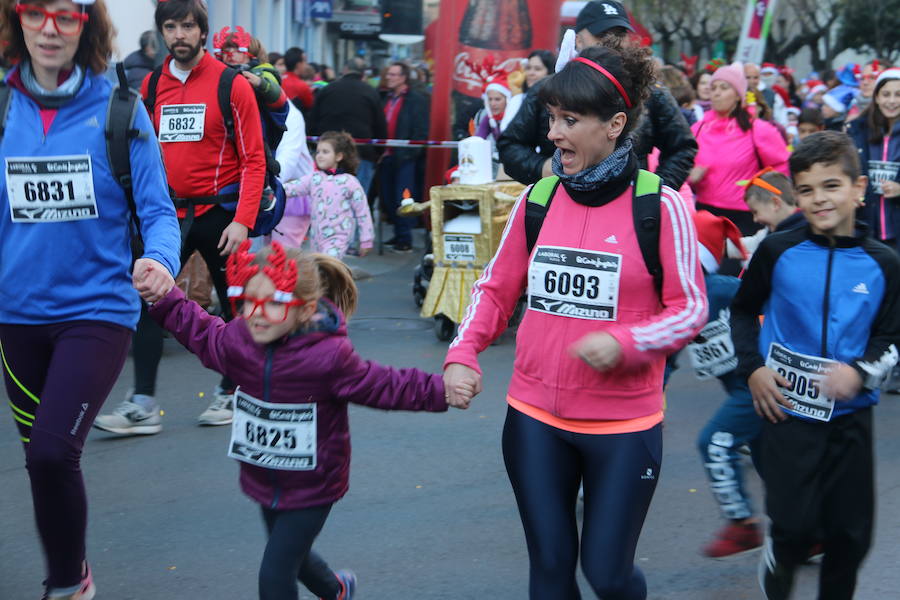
{"x":609,"y":76}
{"x":280,"y":270}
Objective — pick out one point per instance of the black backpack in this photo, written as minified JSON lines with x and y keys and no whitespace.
{"x":273,"y":204}
{"x":120,"y":113}
{"x":645,"y":210}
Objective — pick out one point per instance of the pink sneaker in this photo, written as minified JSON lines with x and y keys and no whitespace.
{"x":87,"y":591}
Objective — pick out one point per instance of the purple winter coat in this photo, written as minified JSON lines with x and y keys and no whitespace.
{"x":318,"y":367}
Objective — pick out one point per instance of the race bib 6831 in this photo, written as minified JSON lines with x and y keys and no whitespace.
{"x":50,"y":189}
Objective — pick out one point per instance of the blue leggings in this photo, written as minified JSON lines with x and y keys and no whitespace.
{"x":734,"y":425}
{"x":620,"y":471}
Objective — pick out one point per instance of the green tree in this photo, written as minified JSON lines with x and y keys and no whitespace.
{"x":873,"y":25}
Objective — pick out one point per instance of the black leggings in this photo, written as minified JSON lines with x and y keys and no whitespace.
{"x":289,"y":556}
{"x":620,"y":471}
{"x":148,"y":339}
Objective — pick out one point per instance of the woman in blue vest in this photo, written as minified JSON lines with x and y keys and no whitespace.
{"x":67,"y":305}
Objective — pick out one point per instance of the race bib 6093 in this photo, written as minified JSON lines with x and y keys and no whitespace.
{"x":570,"y":282}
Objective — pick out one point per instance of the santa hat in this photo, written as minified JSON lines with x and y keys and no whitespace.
{"x":886,"y":75}
{"x":498,"y":83}
{"x":849,"y":75}
{"x":793,"y":110}
{"x":768,"y":69}
{"x":815,"y":86}
{"x":839,"y":98}
{"x":714,"y":235}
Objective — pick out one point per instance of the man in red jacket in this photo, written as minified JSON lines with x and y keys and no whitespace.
{"x":223,"y":174}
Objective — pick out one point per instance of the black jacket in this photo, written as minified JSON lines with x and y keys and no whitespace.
{"x":352,"y":105}
{"x":661,"y":125}
{"x":137,"y":66}
{"x":413,"y":123}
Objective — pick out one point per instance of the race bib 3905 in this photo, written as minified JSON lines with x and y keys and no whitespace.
{"x":805,"y":374}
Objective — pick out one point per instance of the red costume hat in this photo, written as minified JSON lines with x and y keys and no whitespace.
{"x":713,"y":236}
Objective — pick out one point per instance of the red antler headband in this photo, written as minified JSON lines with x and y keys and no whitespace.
{"x":239,"y":270}
{"x":282,"y":272}
{"x":609,"y":76}
{"x":239,"y":37}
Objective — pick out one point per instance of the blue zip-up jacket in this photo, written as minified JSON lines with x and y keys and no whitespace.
{"x":52,"y":272}
{"x":881,"y":214}
{"x":837,"y":300}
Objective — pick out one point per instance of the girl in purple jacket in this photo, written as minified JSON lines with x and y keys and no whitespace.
{"x":296,"y":371}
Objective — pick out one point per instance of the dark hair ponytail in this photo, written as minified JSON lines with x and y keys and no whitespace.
{"x":581,"y":89}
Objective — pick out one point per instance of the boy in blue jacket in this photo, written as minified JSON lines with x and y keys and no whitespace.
{"x":830,"y":297}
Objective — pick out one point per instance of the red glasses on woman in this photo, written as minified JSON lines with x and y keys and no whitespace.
{"x":35,"y":18}
{"x":271,"y":310}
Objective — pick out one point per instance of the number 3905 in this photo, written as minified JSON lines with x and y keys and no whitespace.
{"x":800,"y":384}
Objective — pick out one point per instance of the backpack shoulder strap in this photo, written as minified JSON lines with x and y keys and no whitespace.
{"x":226,"y":83}
{"x":5,"y":99}
{"x":646,"y":211}
{"x":152,"y":84}
{"x":123,"y":104}
{"x":537,"y":204}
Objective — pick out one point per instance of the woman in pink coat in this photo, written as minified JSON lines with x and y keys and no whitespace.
{"x":733,"y":145}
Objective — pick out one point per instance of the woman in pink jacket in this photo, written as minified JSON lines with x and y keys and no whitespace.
{"x":586,"y":398}
{"x":733,"y":146}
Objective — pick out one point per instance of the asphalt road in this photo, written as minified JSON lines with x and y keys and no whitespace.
{"x":430,"y":513}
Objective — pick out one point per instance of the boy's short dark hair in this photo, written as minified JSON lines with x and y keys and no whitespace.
{"x":777,"y":180}
{"x":827,"y":148}
{"x":811,"y":115}
{"x":178,"y":10}
{"x":293,"y":57}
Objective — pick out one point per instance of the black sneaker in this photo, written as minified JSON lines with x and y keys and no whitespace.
{"x":775,"y":580}
{"x":391,"y":241}
{"x":402,"y":248}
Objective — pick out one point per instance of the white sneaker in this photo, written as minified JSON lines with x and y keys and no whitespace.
{"x":130,"y":418}
{"x":220,"y":411}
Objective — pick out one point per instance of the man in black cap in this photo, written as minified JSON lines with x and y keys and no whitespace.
{"x":663,"y":126}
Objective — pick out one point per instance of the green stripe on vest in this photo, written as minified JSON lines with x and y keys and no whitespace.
{"x":647,"y":183}
{"x":540,"y":193}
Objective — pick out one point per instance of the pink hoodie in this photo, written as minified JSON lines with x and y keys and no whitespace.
{"x":545,"y":375}
{"x":729,"y":156}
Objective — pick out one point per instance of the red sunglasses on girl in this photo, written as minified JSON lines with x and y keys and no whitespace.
{"x":271,"y":310}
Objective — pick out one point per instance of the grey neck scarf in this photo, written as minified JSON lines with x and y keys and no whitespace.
{"x":57,"y":97}
{"x":593,"y":177}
